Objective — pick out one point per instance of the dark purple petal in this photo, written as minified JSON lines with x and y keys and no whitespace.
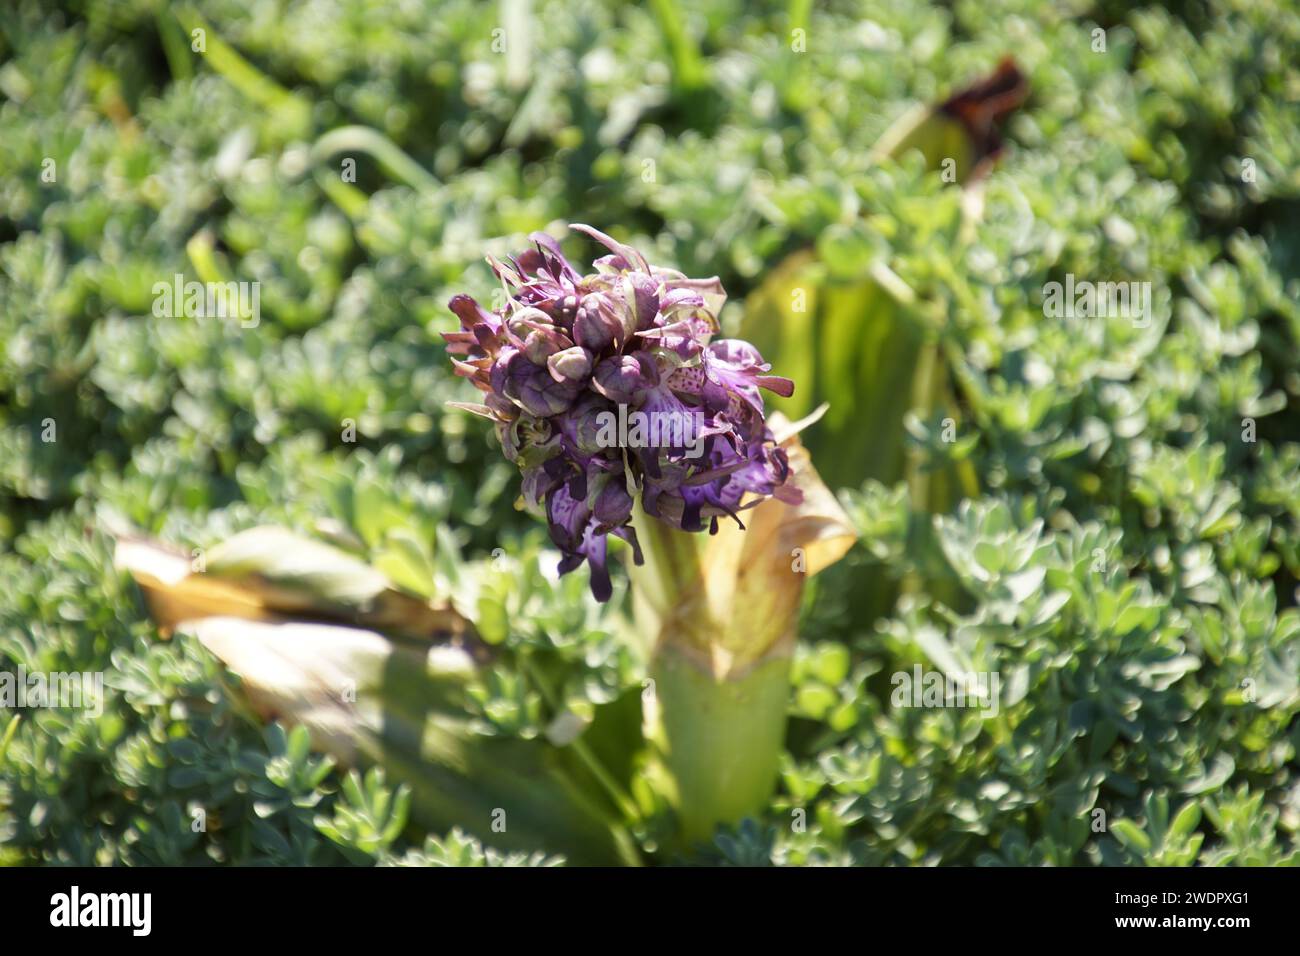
{"x":642,"y":294}
{"x":531,"y":386}
{"x":622,"y":378}
{"x":561,"y":264}
{"x":735,"y":366}
{"x":613,"y":505}
{"x":580,"y":426}
{"x":573,"y":530}
{"x":595,"y":326}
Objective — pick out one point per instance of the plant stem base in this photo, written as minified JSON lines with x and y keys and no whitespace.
{"x":720,"y":741}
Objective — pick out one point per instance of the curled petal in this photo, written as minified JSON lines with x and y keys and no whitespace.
{"x":628,"y":254}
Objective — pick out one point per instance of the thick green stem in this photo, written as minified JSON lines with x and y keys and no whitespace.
{"x":716,"y":730}
{"x":719,"y":740}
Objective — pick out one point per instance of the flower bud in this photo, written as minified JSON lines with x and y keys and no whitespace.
{"x":572,"y":363}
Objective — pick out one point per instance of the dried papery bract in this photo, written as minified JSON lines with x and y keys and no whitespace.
{"x":378,"y":676}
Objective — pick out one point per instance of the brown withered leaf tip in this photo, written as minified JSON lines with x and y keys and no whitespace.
{"x":983,"y":107}
{"x":178,"y":595}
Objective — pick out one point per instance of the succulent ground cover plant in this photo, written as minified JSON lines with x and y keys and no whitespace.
{"x":1100,"y":511}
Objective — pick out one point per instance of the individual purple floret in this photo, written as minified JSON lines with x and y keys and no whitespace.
{"x":608,"y":386}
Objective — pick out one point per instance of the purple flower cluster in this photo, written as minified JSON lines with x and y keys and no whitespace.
{"x":569,"y":354}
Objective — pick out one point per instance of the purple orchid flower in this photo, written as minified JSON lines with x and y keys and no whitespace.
{"x":608,"y":386}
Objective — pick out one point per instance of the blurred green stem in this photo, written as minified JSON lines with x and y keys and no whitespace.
{"x":9,"y":735}
{"x":293,"y":113}
{"x":622,"y":800}
{"x":371,"y":142}
{"x":923,"y":390}
{"x":202,"y":252}
{"x":688,"y":68}
{"x":174,"y":45}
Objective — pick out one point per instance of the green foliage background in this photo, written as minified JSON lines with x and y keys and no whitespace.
{"x":1129,"y":564}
